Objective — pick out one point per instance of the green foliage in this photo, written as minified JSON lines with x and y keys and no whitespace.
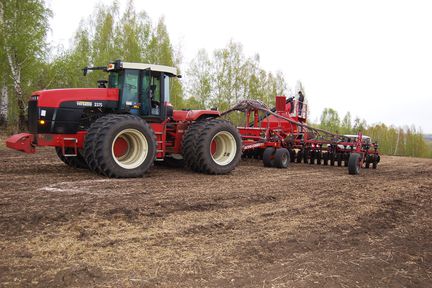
{"x":330,"y":120}
{"x":160,"y":51}
{"x":406,"y":141}
{"x":346,"y":125}
{"x":24,"y":25}
{"x":107,"y":36}
{"x":199,"y":87}
{"x":228,"y":76}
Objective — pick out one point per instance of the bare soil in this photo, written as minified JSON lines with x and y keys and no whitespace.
{"x":306,"y":226}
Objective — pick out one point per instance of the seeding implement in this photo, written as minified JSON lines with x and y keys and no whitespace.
{"x":126,"y":124}
{"x":280,"y":135}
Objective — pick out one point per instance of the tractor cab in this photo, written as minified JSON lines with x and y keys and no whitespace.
{"x":144,"y":89}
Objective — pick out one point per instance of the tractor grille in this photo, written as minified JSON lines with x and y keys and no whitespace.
{"x":33,"y":115}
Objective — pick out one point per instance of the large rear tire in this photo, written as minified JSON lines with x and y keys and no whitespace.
{"x":77,"y":161}
{"x":354,"y":163}
{"x":125,"y":146}
{"x":90,"y":144}
{"x":189,"y":144}
{"x":218,"y":147}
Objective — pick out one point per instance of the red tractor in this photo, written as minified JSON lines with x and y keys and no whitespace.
{"x":120,"y":128}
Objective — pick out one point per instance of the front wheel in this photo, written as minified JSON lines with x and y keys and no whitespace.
{"x":77,"y":161}
{"x":125,"y":146}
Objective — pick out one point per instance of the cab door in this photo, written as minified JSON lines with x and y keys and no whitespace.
{"x":129,"y":89}
{"x":152,"y":95}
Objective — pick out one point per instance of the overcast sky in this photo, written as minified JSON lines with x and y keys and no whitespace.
{"x":372,"y":58}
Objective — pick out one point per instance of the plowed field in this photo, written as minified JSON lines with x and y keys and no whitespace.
{"x":307,"y":226}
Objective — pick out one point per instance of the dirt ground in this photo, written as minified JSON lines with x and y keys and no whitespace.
{"x":307,"y":226}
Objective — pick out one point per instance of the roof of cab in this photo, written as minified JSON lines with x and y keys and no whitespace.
{"x":153,"y":67}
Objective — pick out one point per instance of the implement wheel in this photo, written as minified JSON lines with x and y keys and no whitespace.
{"x":339,"y":159}
{"x":268,"y":157}
{"x":354,"y":163}
{"x":325,"y":158}
{"x":345,"y":158}
{"x":125,"y":146}
{"x":376,"y":159}
{"x":368,"y":161}
{"x":306,"y":154}
{"x":312,"y":155}
{"x":281,"y":158}
{"x":299,"y":156}
{"x":318,"y":157}
{"x":292,"y":155}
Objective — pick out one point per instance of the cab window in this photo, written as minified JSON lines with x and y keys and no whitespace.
{"x":167,"y":88}
{"x":145,"y":93}
{"x":155,"y":96}
{"x":113,"y":80}
{"x":130,"y":88}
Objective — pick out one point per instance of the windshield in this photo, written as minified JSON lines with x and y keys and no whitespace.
{"x":113,"y":80}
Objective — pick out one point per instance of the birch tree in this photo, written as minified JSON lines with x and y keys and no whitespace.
{"x":24,"y":28}
{"x":199,"y":79}
{"x":4,"y":95}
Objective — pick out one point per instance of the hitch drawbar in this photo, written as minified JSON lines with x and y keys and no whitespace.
{"x":21,"y":142}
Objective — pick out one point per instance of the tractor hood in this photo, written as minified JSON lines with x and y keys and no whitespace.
{"x":53,"y":98}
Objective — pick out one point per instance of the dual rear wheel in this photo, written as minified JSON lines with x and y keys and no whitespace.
{"x":212,"y":146}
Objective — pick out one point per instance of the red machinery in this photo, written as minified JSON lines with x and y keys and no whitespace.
{"x":281,"y":135}
{"x":120,"y":130}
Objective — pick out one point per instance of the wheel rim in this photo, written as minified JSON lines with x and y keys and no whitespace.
{"x":129,"y":148}
{"x":223,"y":148}
{"x":284,"y":158}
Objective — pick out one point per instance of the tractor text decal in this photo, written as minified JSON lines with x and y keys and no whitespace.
{"x":84,"y":103}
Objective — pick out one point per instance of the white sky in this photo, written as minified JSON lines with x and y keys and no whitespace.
{"x":372,"y":58}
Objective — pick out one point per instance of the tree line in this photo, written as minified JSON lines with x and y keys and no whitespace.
{"x":402,"y":141}
{"x":218,"y":78}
